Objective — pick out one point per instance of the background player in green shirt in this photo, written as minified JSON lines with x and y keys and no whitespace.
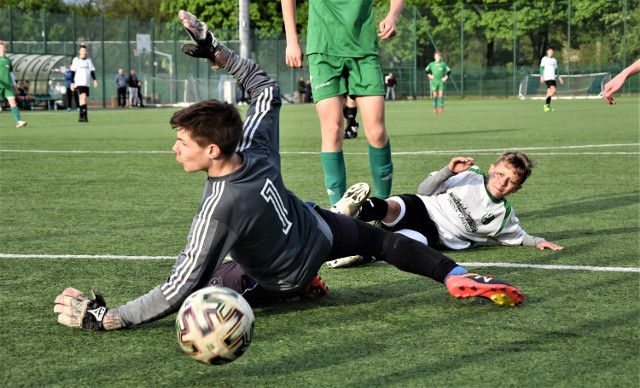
{"x":342,"y":49}
{"x":8,"y":84}
{"x":438,"y":73}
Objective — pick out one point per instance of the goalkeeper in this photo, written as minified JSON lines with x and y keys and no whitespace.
{"x":276,"y":240}
{"x":458,"y":207}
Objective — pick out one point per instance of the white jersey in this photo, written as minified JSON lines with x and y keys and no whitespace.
{"x":466,"y":214}
{"x":550,"y":68}
{"x":83,"y":69}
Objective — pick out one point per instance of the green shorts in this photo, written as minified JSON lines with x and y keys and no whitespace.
{"x":437,"y":86}
{"x":335,"y":76}
{"x":7,"y":92}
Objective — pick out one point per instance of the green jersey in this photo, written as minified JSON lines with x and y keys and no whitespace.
{"x":438,"y":69}
{"x":342,"y":28}
{"x":6,"y":67}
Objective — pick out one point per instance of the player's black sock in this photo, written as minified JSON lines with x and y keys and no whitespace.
{"x":373,"y":209}
{"x":548,"y":100}
{"x":405,"y":254}
{"x":350,"y":113}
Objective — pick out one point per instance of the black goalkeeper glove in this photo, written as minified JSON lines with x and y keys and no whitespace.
{"x":77,"y":310}
{"x":205,"y":44}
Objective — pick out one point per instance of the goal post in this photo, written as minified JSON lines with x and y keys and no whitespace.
{"x":575,"y":86}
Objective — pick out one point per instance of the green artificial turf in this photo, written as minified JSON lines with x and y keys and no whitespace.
{"x":111,"y":187}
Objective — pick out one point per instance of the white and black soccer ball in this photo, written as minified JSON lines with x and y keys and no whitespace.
{"x":215,"y":325}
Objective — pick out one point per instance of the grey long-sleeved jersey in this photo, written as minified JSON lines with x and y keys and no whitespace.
{"x":273,"y":235}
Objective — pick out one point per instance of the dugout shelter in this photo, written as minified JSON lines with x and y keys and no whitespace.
{"x":44,"y":74}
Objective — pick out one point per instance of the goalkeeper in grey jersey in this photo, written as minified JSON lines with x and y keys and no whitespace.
{"x":278,"y":242}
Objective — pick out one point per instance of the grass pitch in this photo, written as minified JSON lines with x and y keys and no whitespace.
{"x":112,"y":187}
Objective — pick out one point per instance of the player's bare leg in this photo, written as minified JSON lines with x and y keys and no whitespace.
{"x":331,"y":129}
{"x":380,"y":163}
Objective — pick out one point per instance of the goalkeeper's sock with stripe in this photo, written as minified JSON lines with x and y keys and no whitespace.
{"x":435,"y":102}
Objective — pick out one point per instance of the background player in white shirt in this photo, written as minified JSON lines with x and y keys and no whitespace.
{"x":548,"y":75}
{"x":82,"y":72}
{"x":458,"y":207}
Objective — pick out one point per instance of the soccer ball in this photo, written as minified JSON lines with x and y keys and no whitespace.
{"x":215,"y":325}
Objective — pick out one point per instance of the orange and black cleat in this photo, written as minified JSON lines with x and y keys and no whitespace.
{"x":472,"y":285}
{"x":315,"y":288}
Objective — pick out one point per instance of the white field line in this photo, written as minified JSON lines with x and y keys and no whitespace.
{"x":469,"y":264}
{"x":446,"y":152}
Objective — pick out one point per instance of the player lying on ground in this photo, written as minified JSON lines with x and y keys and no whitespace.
{"x":458,"y":207}
{"x":276,"y":240}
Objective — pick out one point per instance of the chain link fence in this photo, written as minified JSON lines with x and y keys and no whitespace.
{"x":490,"y":48}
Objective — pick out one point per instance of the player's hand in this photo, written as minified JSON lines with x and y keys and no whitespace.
{"x":204,"y":43}
{"x":460,"y":164}
{"x":95,"y":84}
{"x":611,"y":87}
{"x":561,"y":80}
{"x":542,"y":245}
{"x":75,"y":309}
{"x":541,"y":80}
{"x":72,"y":87}
{"x":387,"y":28}
{"x":293,"y":55}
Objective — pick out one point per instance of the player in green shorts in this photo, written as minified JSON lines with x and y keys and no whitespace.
{"x":8,"y":84}
{"x":438,"y":73}
{"x":342,"y":49}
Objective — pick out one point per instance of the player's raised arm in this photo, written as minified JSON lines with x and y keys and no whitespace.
{"x":460,"y":164}
{"x":611,"y":87}
{"x":388,"y":24}
{"x":293,"y":53}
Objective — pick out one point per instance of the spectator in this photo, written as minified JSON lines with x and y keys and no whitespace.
{"x":308,"y":95}
{"x":302,"y":90}
{"x":70,"y":94}
{"x":390,"y":82}
{"x":121,"y":86}
{"x":133,"y":83}
{"x":140,"y":97}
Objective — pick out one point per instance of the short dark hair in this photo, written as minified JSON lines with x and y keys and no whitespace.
{"x":519,"y":161}
{"x":211,"y":122}
{"x":83,"y":46}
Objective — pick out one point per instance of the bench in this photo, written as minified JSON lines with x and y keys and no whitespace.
{"x":48,"y":99}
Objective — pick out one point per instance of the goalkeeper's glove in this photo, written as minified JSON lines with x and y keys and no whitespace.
{"x":75,"y":309}
{"x":205,"y":44}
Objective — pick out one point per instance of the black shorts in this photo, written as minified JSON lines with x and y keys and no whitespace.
{"x":417,"y":218}
{"x":82,"y":90}
{"x":550,"y":83}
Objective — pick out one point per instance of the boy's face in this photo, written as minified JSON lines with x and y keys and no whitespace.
{"x":82,"y":53}
{"x":503,"y":180}
{"x":190,"y":154}
{"x":3,"y":50}
{"x":437,"y":57}
{"x":550,"y":52}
